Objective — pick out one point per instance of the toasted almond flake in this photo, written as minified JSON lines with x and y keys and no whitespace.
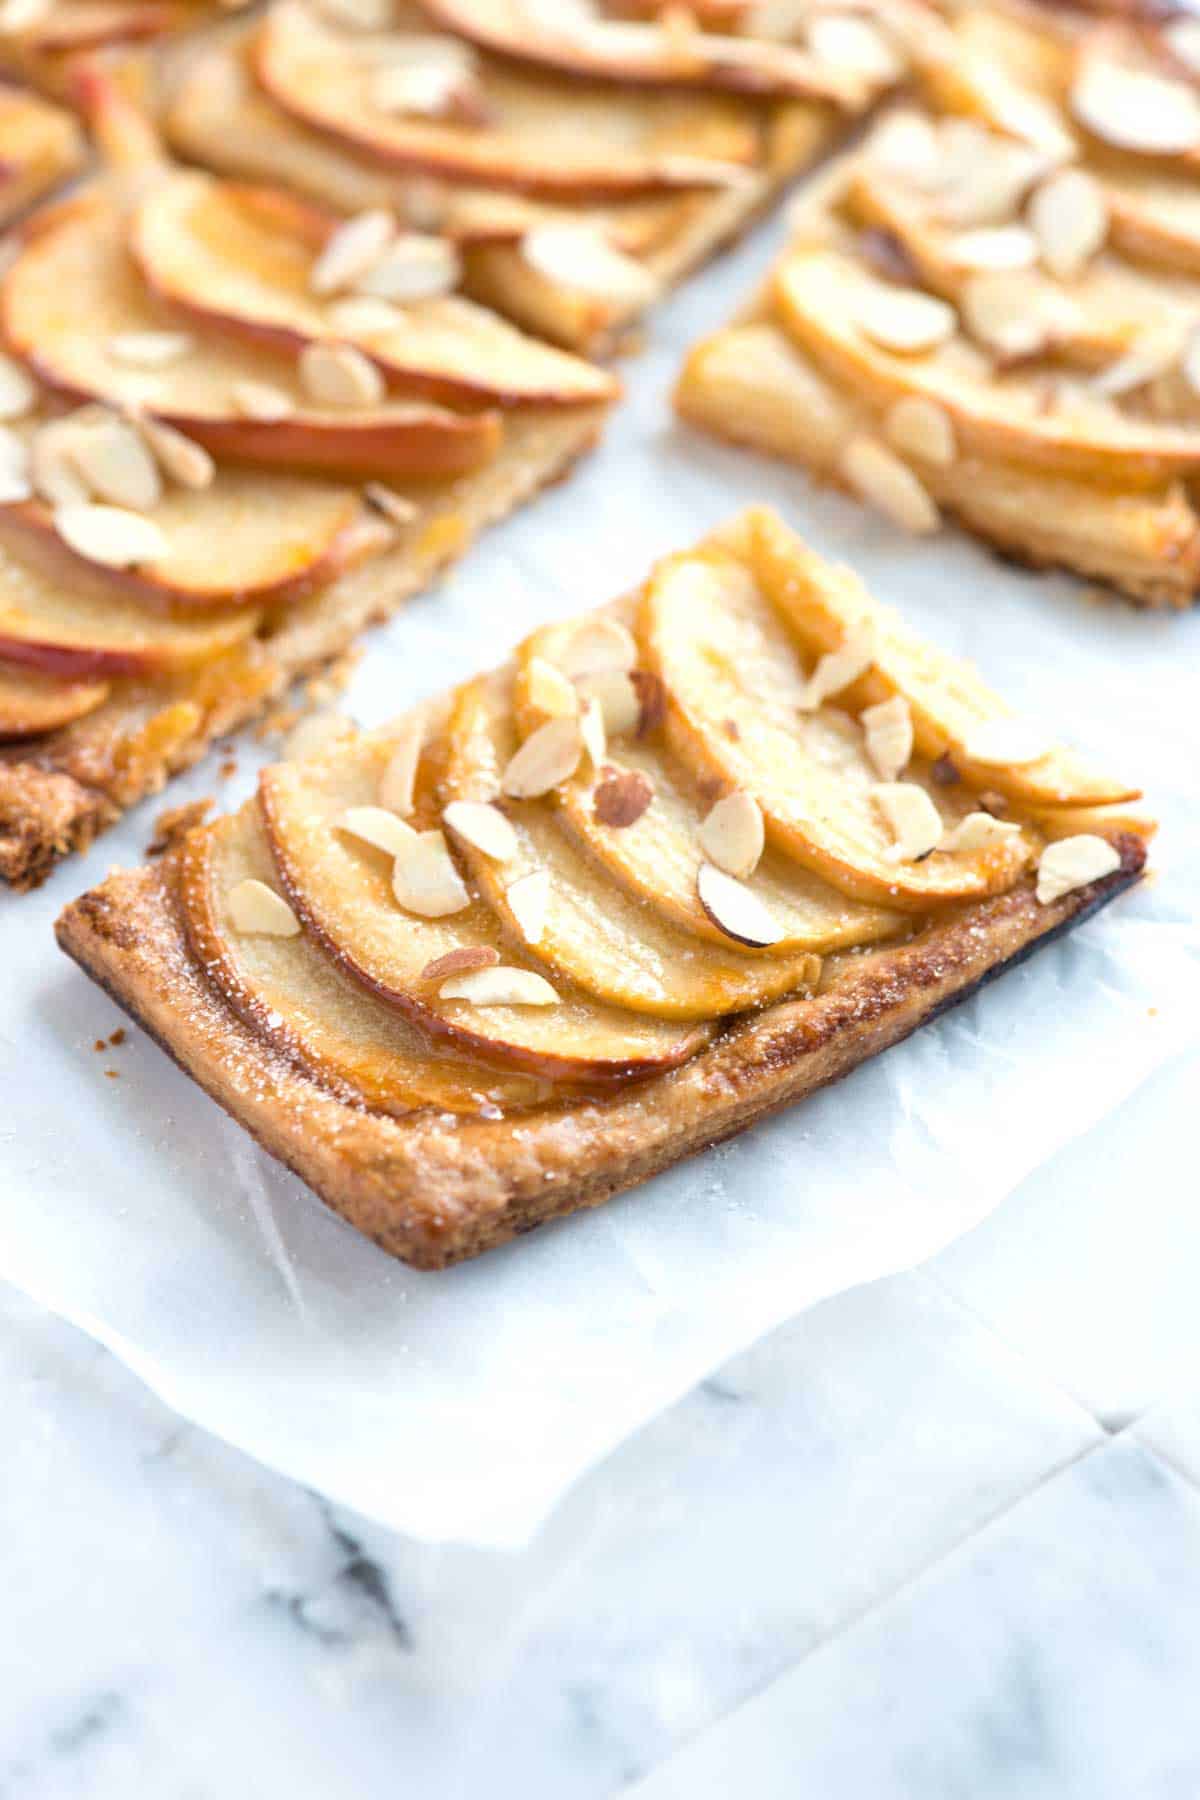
{"x":398,"y":508}
{"x":376,"y":826}
{"x":186,"y":462}
{"x":549,"y":755}
{"x":462,"y":961}
{"x":837,"y":669}
{"x":920,"y":427}
{"x":616,"y":696}
{"x":110,"y":535}
{"x":846,"y":41}
{"x":398,"y":782}
{"x":889,"y":730}
{"x":1189,"y":362}
{"x":1006,"y":742}
{"x":364,"y":314}
{"x":416,"y":267}
{"x":1154,"y":354}
{"x":500,"y":987}
{"x":116,"y":464}
{"x":340,"y":375}
{"x":14,"y":487}
{"x":1072,"y":863}
{"x":905,"y":319}
{"x":425,"y":880}
{"x":878,"y":476}
{"x":1068,"y":215}
{"x":591,"y":730}
{"x":1014,"y":312}
{"x":978,"y":831}
{"x":905,"y":145}
{"x":14,"y":452}
{"x":261,"y":401}
{"x":350,"y":250}
{"x":18,"y":391}
{"x":420,"y":89}
{"x":993,"y":247}
{"x":595,"y":646}
{"x":985,"y":176}
{"x":734,"y":908}
{"x":483,"y":826}
{"x":1135,"y":110}
{"x":256,"y":908}
{"x":52,"y":466}
{"x":1182,"y":38}
{"x":911,"y":817}
{"x":529,"y":902}
{"x":149,"y":349}
{"x":578,"y":256}
{"x":621,"y":797}
{"x":548,"y":690}
{"x":316,"y":735}
{"x":732,"y":835}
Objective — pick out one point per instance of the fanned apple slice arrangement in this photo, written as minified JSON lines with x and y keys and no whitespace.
{"x":992,"y":310}
{"x":677,"y":863}
{"x":226,"y":447}
{"x":577,"y":182}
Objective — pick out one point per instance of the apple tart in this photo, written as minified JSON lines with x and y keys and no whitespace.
{"x":41,"y":147}
{"x":574,"y":190}
{"x":220,"y":461}
{"x":990,"y":311}
{"x":43,"y":40}
{"x":678,"y":863}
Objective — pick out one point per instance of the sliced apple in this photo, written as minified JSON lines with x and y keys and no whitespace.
{"x":341,"y":888}
{"x":96,"y":24}
{"x":820,"y":297}
{"x":295,"y":997}
{"x":1154,"y":218}
{"x":734,"y":686}
{"x":73,"y":295}
{"x":40,"y":145}
{"x":240,"y":261}
{"x":33,"y":703}
{"x":577,"y":41}
{"x":543,"y":136}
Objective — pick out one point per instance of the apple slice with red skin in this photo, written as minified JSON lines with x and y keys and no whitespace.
{"x":73,"y":291}
{"x":32,"y":703}
{"x":239,"y":260}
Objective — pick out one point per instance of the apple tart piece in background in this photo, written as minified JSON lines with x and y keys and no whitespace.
{"x":574,"y":195}
{"x":218,"y":464}
{"x":677,"y":864}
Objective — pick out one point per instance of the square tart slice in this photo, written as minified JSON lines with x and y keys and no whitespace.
{"x":219,"y":469}
{"x":677,"y":864}
{"x":574,"y":191}
{"x":989,"y":311}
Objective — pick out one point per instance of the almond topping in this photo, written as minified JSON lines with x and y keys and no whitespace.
{"x":735,"y":909}
{"x":340,"y":375}
{"x":905,"y":320}
{"x":255,"y":907}
{"x":424,"y":878}
{"x":597,"y":646}
{"x":116,"y":464}
{"x":529,"y":902}
{"x":261,"y":401}
{"x":847,"y":42}
{"x":364,"y":313}
{"x":395,"y":507}
{"x":433,"y":88}
{"x":350,"y":251}
{"x":993,"y":247}
{"x":1015,"y":313}
{"x":1004,"y":741}
{"x":889,"y":730}
{"x":415,"y":267}
{"x":1072,"y":863}
{"x":1154,"y":354}
{"x":399,"y":779}
{"x":906,"y":146}
{"x":15,"y":482}
{"x":484,"y":827}
{"x":110,"y":535}
{"x":878,"y":476}
{"x":548,"y":690}
{"x":187,"y":463}
{"x":18,"y":392}
{"x":500,"y":987}
{"x":462,"y":961}
{"x":591,"y":730}
{"x":550,"y":755}
{"x":1135,"y":110}
{"x":920,"y":427}
{"x":149,"y":349}
{"x":912,"y":818}
{"x":837,"y":669}
{"x":978,"y":831}
{"x":621,"y":797}
{"x":1068,"y":215}
{"x":376,"y":826}
{"x":614,"y":693}
{"x":578,"y":256}
{"x":1190,"y":360}
{"x":732,"y":835}
{"x":52,"y":465}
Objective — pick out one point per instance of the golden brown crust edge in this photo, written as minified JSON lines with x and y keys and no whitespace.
{"x":49,"y":809}
{"x":434,"y":1191}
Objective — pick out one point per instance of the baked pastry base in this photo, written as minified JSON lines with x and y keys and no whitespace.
{"x":434,"y":1190}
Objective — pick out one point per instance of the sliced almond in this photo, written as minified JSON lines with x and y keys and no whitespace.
{"x":261,"y":401}
{"x":484,"y":827}
{"x":316,"y":735}
{"x":920,"y":427}
{"x":1014,"y":312}
{"x":1068,"y":216}
{"x":889,"y":730}
{"x":1155,"y":353}
{"x":500,"y":987}
{"x":1136,"y":110}
{"x":848,"y":41}
{"x":878,"y":476}
{"x":905,"y":145}
{"x":985,"y":176}
{"x":14,"y":487}
{"x":529,"y":903}
{"x":433,"y":89}
{"x":376,"y":826}
{"x":1006,"y":742}
{"x":117,"y":464}
{"x":735,"y":909}
{"x":364,"y":313}
{"x":911,"y":817}
{"x":110,"y":535}
{"x":596,"y":646}
{"x":615,"y":694}
{"x":905,"y":320}
{"x":52,"y":465}
{"x":837,"y":669}
{"x":1072,"y":863}
{"x":18,"y":391}
{"x":256,"y":908}
{"x":732,"y":834}
{"x":340,"y":375}
{"x":415,"y":267}
{"x":399,"y":779}
{"x":548,"y":690}
{"x":149,"y":349}
{"x":462,"y":961}
{"x":993,"y":247}
{"x":580,"y":257}
{"x":549,"y":755}
{"x":186,"y":462}
{"x":15,"y":475}
{"x":591,"y":730}
{"x":1189,"y":362}
{"x":351,"y":250}
{"x":621,"y":797}
{"x":425,"y":880}
{"x":396,"y":507}
{"x":978,"y":831}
